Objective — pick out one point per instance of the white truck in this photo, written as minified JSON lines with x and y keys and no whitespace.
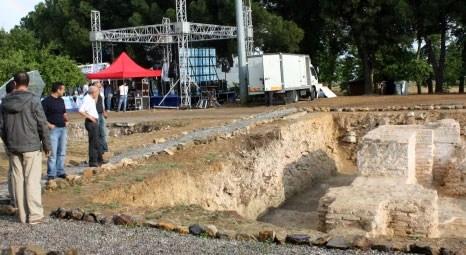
{"x":288,"y":75}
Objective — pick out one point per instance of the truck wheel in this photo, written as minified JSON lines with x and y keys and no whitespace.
{"x":294,"y":96}
{"x":313,"y":93}
{"x":269,"y":98}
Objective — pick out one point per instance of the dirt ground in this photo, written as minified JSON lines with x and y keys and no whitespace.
{"x":171,"y":123}
{"x":180,"y":121}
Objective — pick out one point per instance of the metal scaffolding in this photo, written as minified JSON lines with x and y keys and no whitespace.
{"x":96,"y":44}
{"x":249,"y":29}
{"x":181,"y":33}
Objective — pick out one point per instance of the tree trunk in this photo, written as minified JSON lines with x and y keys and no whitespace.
{"x":461,"y":89}
{"x":368,"y":72}
{"x":463,"y":68}
{"x":430,"y":86}
{"x":439,"y":86}
{"x":419,"y":87}
{"x":418,"y":56}
{"x":433,"y":62}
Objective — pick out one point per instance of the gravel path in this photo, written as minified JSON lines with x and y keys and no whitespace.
{"x":203,"y":134}
{"x":192,"y":136}
{"x":97,"y":239}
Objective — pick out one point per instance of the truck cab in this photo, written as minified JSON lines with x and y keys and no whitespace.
{"x":315,"y":85}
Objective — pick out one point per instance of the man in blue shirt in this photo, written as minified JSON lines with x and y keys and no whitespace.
{"x":55,"y":111}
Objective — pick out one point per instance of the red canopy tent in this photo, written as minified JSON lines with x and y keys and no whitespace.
{"x":123,"y":68}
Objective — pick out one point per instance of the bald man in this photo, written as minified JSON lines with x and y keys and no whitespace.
{"x":88,"y":110}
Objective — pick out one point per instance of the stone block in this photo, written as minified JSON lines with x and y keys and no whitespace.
{"x":390,"y":152}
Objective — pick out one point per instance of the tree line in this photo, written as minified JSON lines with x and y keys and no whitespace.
{"x":371,"y":40}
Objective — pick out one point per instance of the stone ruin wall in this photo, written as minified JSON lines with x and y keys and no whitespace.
{"x":400,"y":166}
{"x":414,"y":219}
{"x":453,"y":181}
{"x":380,"y":206}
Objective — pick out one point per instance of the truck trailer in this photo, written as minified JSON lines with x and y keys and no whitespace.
{"x":290,"y":76}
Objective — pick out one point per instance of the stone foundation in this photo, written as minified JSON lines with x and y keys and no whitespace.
{"x":394,"y":197}
{"x":77,"y":131}
{"x":381,"y":206}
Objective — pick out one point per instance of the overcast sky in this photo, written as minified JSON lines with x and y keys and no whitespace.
{"x":11,"y":11}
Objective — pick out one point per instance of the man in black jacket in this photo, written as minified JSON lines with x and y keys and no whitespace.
{"x":23,"y":129}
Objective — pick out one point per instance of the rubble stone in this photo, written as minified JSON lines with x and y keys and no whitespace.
{"x":298,"y":239}
{"x":197,"y":230}
{"x":266,"y":236}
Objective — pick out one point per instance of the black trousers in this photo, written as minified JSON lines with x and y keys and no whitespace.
{"x":95,"y":147}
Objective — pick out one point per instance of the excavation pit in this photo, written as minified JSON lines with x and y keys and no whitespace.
{"x":272,"y":176}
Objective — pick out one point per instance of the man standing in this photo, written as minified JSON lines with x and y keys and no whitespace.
{"x":55,"y":111}
{"x":10,"y":87}
{"x":88,"y":110}
{"x":123,"y":96}
{"x":23,"y":128}
{"x":102,"y":118}
{"x":108,"y":94}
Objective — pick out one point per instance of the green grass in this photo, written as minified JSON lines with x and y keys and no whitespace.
{"x":95,"y":207}
{"x":77,"y":189}
{"x":139,"y":178}
{"x":150,"y":168}
{"x":210,"y":157}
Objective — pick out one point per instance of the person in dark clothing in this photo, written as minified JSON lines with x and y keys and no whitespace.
{"x":10,"y":87}
{"x":24,"y":131}
{"x":102,"y":118}
{"x":108,"y":94}
{"x":55,"y":111}
{"x":88,"y":110}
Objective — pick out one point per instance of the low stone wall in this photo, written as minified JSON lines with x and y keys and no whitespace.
{"x":77,"y":131}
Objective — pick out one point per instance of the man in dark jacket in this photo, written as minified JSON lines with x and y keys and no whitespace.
{"x":23,"y":129}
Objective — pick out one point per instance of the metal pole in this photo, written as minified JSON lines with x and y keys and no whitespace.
{"x":242,"y":61}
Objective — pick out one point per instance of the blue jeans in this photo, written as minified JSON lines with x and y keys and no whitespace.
{"x":122,"y":100}
{"x":103,"y":133}
{"x":108,"y":102}
{"x":56,"y":160}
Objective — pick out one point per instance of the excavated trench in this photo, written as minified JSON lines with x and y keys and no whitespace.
{"x":275,"y":173}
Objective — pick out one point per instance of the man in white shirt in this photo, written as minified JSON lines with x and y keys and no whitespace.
{"x":88,"y":110}
{"x":123,"y":96}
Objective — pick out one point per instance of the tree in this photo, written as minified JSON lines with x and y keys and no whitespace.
{"x":21,"y":52}
{"x":273,"y":33}
{"x":308,"y":16}
{"x":370,"y":26}
{"x":459,"y":32}
{"x":433,"y":24}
